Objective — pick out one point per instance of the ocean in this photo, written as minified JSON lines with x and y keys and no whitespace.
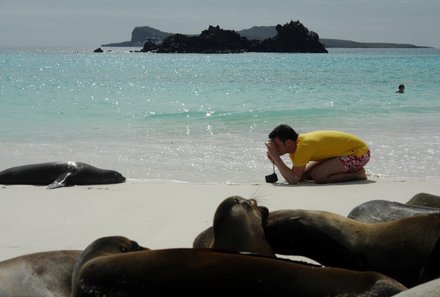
{"x":204,"y":118}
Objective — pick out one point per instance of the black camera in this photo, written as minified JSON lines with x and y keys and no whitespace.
{"x":271,"y":178}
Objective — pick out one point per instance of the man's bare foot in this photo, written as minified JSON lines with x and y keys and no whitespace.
{"x":362,"y":174}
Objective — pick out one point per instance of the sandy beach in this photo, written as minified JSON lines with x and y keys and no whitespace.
{"x":159,"y":214}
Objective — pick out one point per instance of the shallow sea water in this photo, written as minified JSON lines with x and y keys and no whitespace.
{"x":205,"y":118}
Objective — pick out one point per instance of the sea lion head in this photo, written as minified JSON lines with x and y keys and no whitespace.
{"x":236,"y":208}
{"x":104,"y":246}
{"x":238,"y":226}
{"x":113,"y":176}
{"x":87,"y":175}
{"x":110,"y":245}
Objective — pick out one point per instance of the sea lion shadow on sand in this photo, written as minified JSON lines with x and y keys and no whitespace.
{"x":59,"y":174}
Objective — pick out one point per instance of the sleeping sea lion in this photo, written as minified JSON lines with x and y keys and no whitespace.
{"x":59,"y":174}
{"x":202,"y":272}
{"x":425,"y":199}
{"x":399,"y":249}
{"x":377,"y":211}
{"x":43,"y":274}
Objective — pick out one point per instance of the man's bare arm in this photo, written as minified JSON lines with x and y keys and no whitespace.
{"x":291,"y":175}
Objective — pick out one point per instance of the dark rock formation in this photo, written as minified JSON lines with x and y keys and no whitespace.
{"x":292,"y":37}
{"x":98,"y":50}
{"x":212,"y":40}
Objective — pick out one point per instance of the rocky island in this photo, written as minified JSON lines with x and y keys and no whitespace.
{"x":141,"y":35}
{"x":292,"y":37}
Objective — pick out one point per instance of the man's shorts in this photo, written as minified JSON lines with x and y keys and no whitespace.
{"x":353,"y":163}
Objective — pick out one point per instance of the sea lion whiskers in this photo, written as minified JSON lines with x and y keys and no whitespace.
{"x":258,"y":196}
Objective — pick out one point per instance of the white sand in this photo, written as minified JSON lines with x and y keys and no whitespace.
{"x":161,"y":214}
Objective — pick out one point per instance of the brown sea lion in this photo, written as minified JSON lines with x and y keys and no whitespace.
{"x":425,"y":199}
{"x":202,"y":272}
{"x":377,"y":211}
{"x":102,"y":247}
{"x":238,"y":226}
{"x":430,"y":268}
{"x":399,"y":248}
{"x":59,"y":174}
{"x":43,"y":274}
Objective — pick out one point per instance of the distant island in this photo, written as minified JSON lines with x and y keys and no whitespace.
{"x":292,"y":37}
{"x":143,"y":34}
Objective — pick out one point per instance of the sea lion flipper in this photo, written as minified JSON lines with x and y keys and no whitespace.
{"x":60,"y":181}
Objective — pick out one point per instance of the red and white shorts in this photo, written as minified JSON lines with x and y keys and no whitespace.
{"x":353,"y":163}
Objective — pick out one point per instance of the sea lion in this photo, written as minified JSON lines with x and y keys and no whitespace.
{"x":376,"y":211}
{"x":102,"y":248}
{"x":428,"y":289}
{"x":425,"y":199}
{"x":59,"y":174}
{"x":202,"y":272}
{"x":237,"y":226}
{"x":43,"y":274}
{"x":399,"y":249}
{"x":204,"y":239}
{"x":430,"y":269}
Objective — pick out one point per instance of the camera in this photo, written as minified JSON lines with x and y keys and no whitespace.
{"x":271,"y":178}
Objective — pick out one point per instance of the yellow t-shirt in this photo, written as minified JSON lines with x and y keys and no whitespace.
{"x":325,"y":144}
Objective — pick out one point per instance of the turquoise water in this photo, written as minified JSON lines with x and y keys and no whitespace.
{"x":204,"y":118}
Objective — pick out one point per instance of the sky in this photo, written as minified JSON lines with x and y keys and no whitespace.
{"x":90,"y":23}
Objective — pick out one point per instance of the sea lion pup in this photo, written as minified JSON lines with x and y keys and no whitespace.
{"x":59,"y":174}
{"x":398,"y":249}
{"x":376,"y":211}
{"x":43,"y":274}
{"x":237,"y":226}
{"x":198,"y":272}
{"x":425,"y":199}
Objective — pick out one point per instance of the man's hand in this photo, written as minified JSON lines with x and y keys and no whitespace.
{"x":272,"y":151}
{"x":292,"y":175}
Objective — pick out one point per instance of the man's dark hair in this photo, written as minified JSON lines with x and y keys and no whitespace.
{"x":283,"y":132}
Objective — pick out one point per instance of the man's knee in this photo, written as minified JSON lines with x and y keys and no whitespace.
{"x":318,"y":177}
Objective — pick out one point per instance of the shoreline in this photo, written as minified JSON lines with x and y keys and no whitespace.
{"x":163,"y":214}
